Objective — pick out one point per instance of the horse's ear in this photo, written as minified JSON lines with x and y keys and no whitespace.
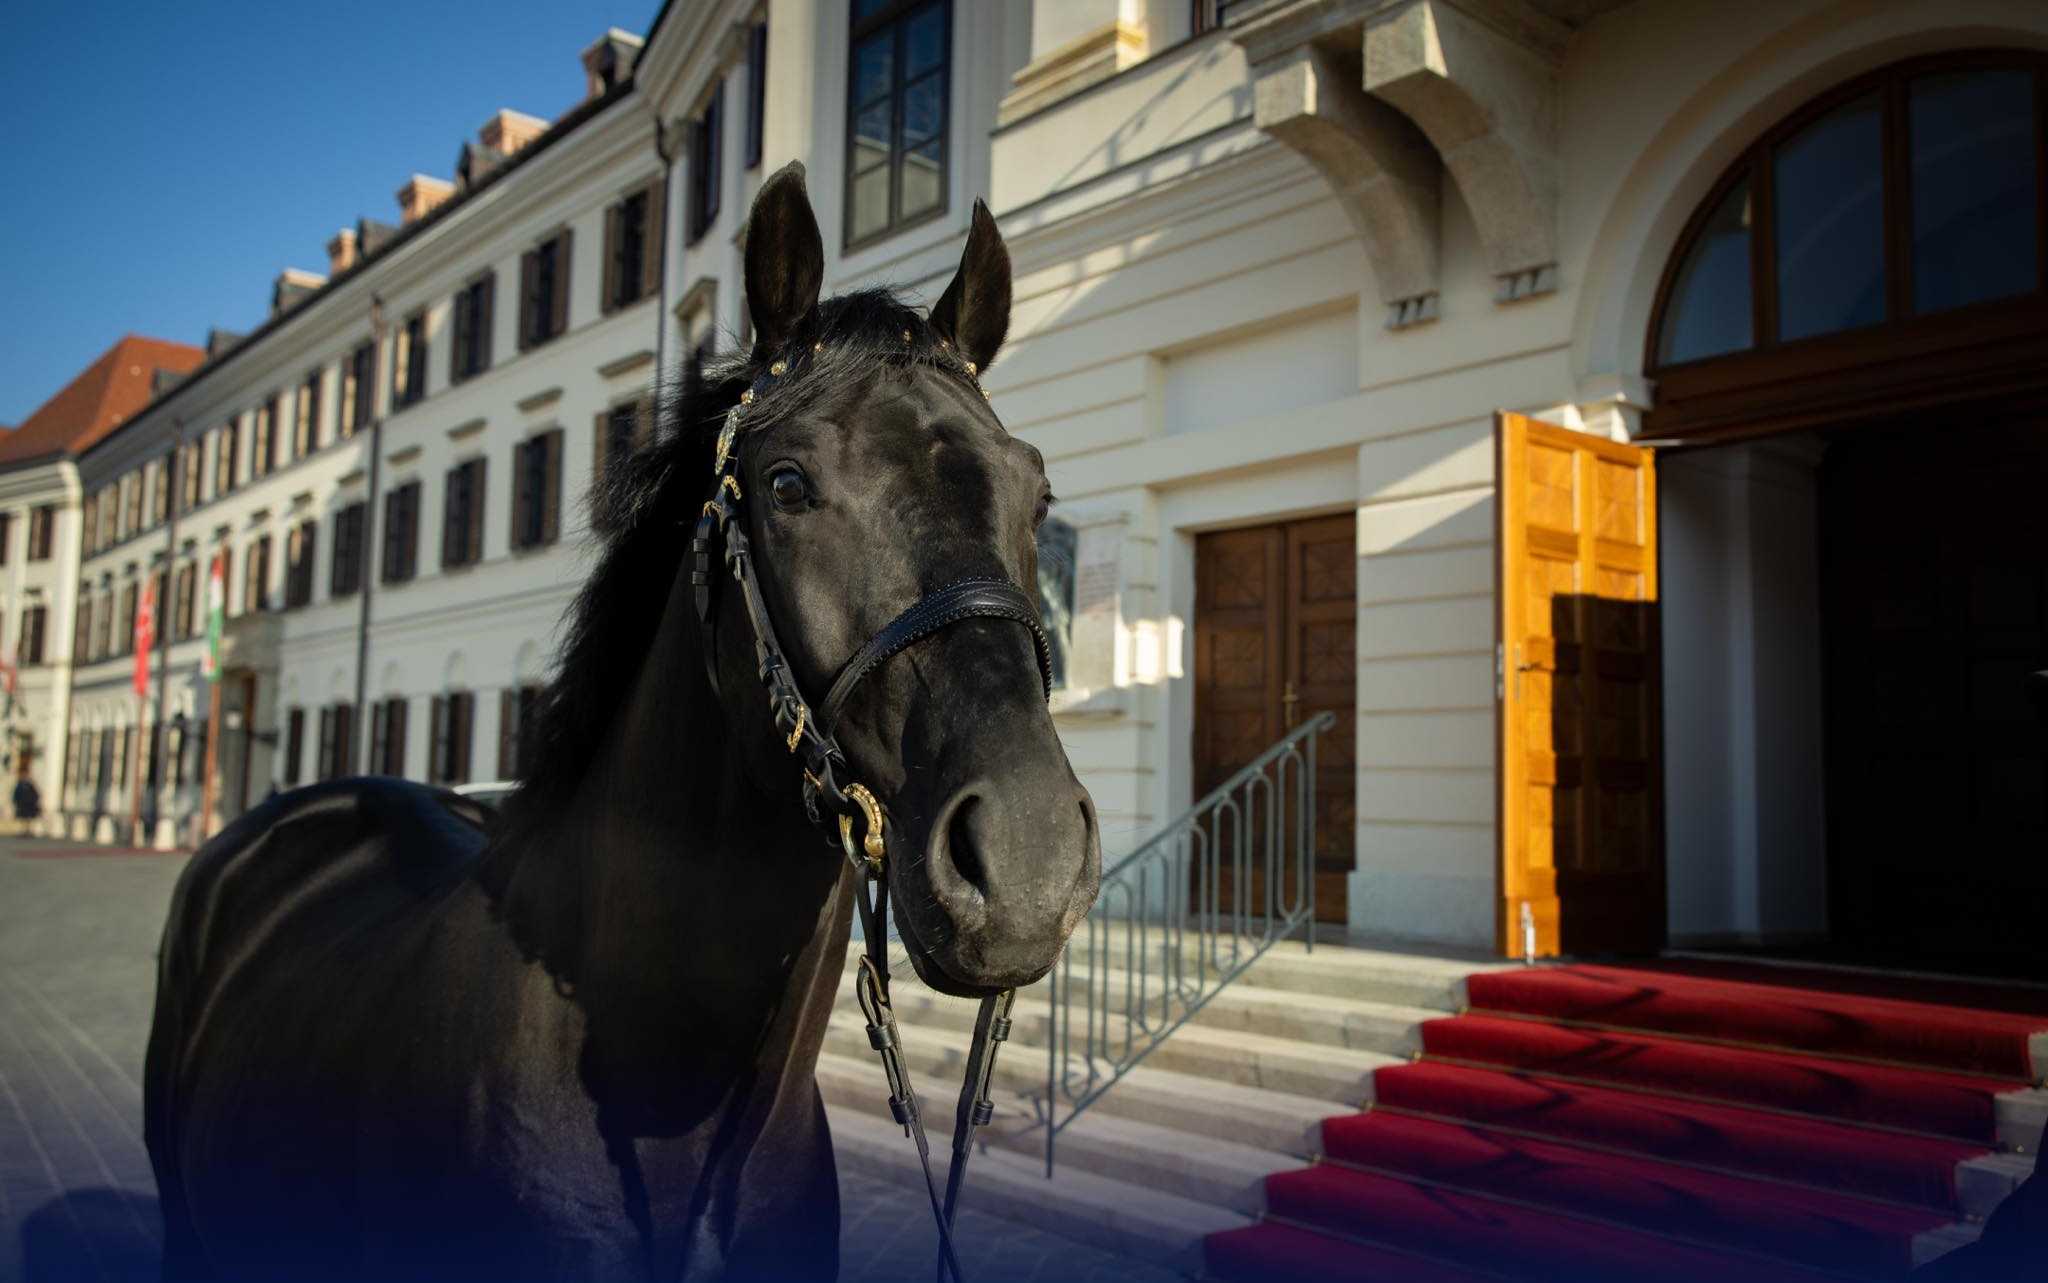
{"x":785,"y":259}
{"x":974,"y":312}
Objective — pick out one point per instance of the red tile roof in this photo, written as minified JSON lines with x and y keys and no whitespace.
{"x":99,"y":400}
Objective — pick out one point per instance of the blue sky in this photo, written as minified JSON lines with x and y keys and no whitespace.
{"x":160,"y":163}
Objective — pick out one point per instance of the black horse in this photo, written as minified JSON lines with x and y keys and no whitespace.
{"x":397,"y":1039}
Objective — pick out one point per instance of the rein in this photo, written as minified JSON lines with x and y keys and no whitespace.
{"x":809,"y":732}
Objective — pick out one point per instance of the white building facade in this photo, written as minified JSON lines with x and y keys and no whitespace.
{"x":1281,"y":266}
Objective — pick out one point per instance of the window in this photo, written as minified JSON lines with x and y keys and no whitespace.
{"x":191,"y":471}
{"x":306,"y":417}
{"x":707,"y":163}
{"x":131,"y":504}
{"x":124,"y":624}
{"x":294,"y":745}
{"x":346,"y":575}
{"x":1908,"y":192}
{"x":1056,"y":545}
{"x":358,"y":390}
{"x":516,"y":721}
{"x":88,"y":527}
{"x":402,"y":533}
{"x":103,"y":627}
{"x":470,"y":353}
{"x":298,"y":564}
{"x":896,"y":116}
{"x":224,"y":458}
{"x":42,"y":531}
{"x":409,"y":362}
{"x":1210,"y":15}
{"x":387,"y":737}
{"x":452,"y":718}
{"x":757,"y":91}
{"x":544,"y":290}
{"x":7,"y":530}
{"x":537,"y":490}
{"x":263,"y":442}
{"x":256,"y":591}
{"x":337,"y":724}
{"x":81,"y":626}
{"x":462,"y":516}
{"x":619,"y":431}
{"x":33,"y":619}
{"x":160,"y":494}
{"x":184,"y":611}
{"x":632,"y":257}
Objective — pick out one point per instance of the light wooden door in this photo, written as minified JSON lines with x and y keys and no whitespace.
{"x":1581,"y":747}
{"x":1276,"y":612}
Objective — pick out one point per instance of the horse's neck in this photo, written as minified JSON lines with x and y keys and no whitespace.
{"x":697,"y":922}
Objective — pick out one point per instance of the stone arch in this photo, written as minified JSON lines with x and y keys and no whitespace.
{"x":1703,"y":134}
{"x":455,"y":673}
{"x":529,"y":666}
{"x":390,"y":682}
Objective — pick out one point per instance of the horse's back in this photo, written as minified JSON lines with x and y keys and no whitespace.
{"x":312,"y":906}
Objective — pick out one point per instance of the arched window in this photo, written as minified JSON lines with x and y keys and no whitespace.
{"x":1883,"y":205}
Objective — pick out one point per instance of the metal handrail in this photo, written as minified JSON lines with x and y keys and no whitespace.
{"x":1166,"y":898}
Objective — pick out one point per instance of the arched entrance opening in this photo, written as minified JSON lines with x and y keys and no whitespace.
{"x":1850,"y":351}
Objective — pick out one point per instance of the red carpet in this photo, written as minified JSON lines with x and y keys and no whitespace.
{"x":1593,"y":1122}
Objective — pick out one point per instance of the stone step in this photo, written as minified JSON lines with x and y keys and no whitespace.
{"x":1342,"y":1075}
{"x":1275,"y":1121}
{"x":1146,"y":1224}
{"x":1190,"y":1165}
{"x":1983,"y":1182}
{"x":1312,"y":1019}
{"x":2022,"y":1118}
{"x":1335,"y":971}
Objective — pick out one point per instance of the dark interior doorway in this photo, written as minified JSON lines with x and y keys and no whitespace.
{"x":1934,"y":574}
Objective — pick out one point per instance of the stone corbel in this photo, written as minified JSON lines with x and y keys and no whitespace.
{"x":1380,"y":166}
{"x":1488,"y":102}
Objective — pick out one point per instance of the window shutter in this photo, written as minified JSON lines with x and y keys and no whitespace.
{"x":551,"y":486}
{"x":529,"y":285}
{"x":560,"y":321}
{"x":519,"y":495}
{"x":437,"y":740}
{"x":464,"y":323}
{"x":345,"y":739}
{"x":462,"y":708}
{"x":475,"y":536}
{"x":508,"y":732}
{"x":613,"y":235}
{"x":653,"y":238}
{"x":643,"y":422}
{"x":394,"y":755}
{"x":409,"y":541}
{"x":600,"y":434}
{"x":380,"y":728}
{"x":452,"y":529}
{"x":294,"y":745}
{"x":485,"y":311}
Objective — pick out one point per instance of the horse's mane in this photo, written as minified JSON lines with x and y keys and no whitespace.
{"x":644,"y":510}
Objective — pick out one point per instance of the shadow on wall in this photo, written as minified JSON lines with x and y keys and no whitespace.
{"x":84,"y":1235}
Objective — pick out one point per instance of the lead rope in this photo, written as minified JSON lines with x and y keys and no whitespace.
{"x":871,"y":988}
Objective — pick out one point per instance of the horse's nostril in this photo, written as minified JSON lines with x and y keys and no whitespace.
{"x":963,"y":844}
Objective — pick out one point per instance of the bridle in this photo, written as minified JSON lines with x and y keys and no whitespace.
{"x":826,"y":789}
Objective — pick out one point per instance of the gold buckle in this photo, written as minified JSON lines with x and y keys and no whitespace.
{"x":872,"y":849}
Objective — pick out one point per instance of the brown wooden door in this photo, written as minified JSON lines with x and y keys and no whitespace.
{"x":1934,"y":571}
{"x":1581,"y":747}
{"x":1276,"y":641}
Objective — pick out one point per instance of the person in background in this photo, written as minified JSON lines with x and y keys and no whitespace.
{"x":28,"y":803}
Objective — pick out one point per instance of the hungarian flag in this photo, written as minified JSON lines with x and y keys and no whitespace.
{"x":216,"y":615}
{"x":145,"y":636}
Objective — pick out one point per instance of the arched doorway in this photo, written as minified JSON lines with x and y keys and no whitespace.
{"x":1850,"y":349}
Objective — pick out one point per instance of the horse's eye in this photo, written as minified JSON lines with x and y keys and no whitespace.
{"x":1038,"y":514}
{"x":787,"y":485}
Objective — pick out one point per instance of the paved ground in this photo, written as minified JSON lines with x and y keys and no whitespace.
{"x":78,"y":935}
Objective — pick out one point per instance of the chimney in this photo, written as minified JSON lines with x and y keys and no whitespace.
{"x":420,"y":195}
{"x":507,"y":131}
{"x":341,"y":251}
{"x":608,"y":62}
{"x":292,"y":287}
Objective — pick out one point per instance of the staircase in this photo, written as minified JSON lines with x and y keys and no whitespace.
{"x":1350,"y":1113}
